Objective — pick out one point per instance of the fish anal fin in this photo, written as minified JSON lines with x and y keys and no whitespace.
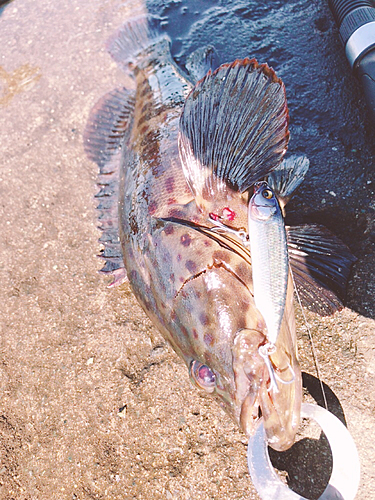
{"x":233,"y":130}
{"x":104,"y":139}
{"x":320,"y":264}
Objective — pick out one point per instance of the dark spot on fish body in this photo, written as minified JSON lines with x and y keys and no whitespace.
{"x":177,"y":213}
{"x":204,"y":319}
{"x":144,"y":90}
{"x":144,"y":128}
{"x":179,"y":257}
{"x":208,"y":339}
{"x":185,"y":240}
{"x":221,"y":256}
{"x":170,"y":184}
{"x":184,"y":331}
{"x":152,"y":207}
{"x":243,"y":271}
{"x":195,"y":334}
{"x":172,"y":278}
{"x":244,"y":307}
{"x":133,"y":224}
{"x":168,"y":230}
{"x":191,"y":266}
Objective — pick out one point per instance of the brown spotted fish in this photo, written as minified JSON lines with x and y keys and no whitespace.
{"x":178,"y":162}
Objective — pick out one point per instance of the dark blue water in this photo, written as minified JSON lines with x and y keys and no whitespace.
{"x":328,"y":116}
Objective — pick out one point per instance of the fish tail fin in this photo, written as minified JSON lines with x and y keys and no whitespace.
{"x":137,"y":40}
{"x":104,"y":136}
{"x":286,"y":178}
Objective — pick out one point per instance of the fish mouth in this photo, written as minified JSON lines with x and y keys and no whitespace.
{"x":278,"y":401}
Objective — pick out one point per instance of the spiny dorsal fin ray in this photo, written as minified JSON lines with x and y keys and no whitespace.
{"x":233,"y":129}
{"x":104,"y":138}
{"x":321,"y":265}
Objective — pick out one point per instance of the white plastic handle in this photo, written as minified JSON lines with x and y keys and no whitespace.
{"x":344,"y":481}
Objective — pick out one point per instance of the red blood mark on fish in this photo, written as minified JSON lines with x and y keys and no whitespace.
{"x":171,"y":201}
{"x":185,"y":240}
{"x":191,"y":266}
{"x":228,"y":214}
{"x":195,"y":333}
{"x":213,"y":216}
{"x":169,"y":184}
{"x":152,"y":207}
{"x":179,"y":257}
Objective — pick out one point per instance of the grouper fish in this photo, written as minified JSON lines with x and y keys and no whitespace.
{"x":178,"y":160}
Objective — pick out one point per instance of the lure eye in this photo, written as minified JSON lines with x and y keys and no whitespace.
{"x":203,"y":376}
{"x":267,"y":194}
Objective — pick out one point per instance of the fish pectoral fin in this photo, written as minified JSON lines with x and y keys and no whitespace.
{"x":201,"y":61}
{"x":320,"y":263}
{"x":233,"y":129}
{"x":286,"y":178}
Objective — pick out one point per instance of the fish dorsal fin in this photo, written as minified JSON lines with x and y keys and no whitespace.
{"x":104,"y":138}
{"x":107,"y":125}
{"x":233,"y":129}
{"x":320,"y":264}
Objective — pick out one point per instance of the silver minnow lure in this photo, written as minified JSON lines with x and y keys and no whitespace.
{"x":269,"y":256}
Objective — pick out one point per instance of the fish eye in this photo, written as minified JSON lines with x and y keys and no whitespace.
{"x":203,"y":376}
{"x":267,"y":194}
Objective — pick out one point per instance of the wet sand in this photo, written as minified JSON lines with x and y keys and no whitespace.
{"x":94,"y":404}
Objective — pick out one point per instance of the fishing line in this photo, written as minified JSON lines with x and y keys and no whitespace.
{"x":313,"y":350}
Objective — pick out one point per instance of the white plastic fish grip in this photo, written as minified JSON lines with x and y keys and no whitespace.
{"x":344,"y":481}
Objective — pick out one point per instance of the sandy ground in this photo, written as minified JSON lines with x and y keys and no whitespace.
{"x":94,"y":404}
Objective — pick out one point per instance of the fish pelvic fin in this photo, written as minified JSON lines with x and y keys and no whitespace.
{"x":287,"y":177}
{"x":104,"y":139}
{"x":320,"y":263}
{"x":137,"y":39}
{"x":233,"y":130}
